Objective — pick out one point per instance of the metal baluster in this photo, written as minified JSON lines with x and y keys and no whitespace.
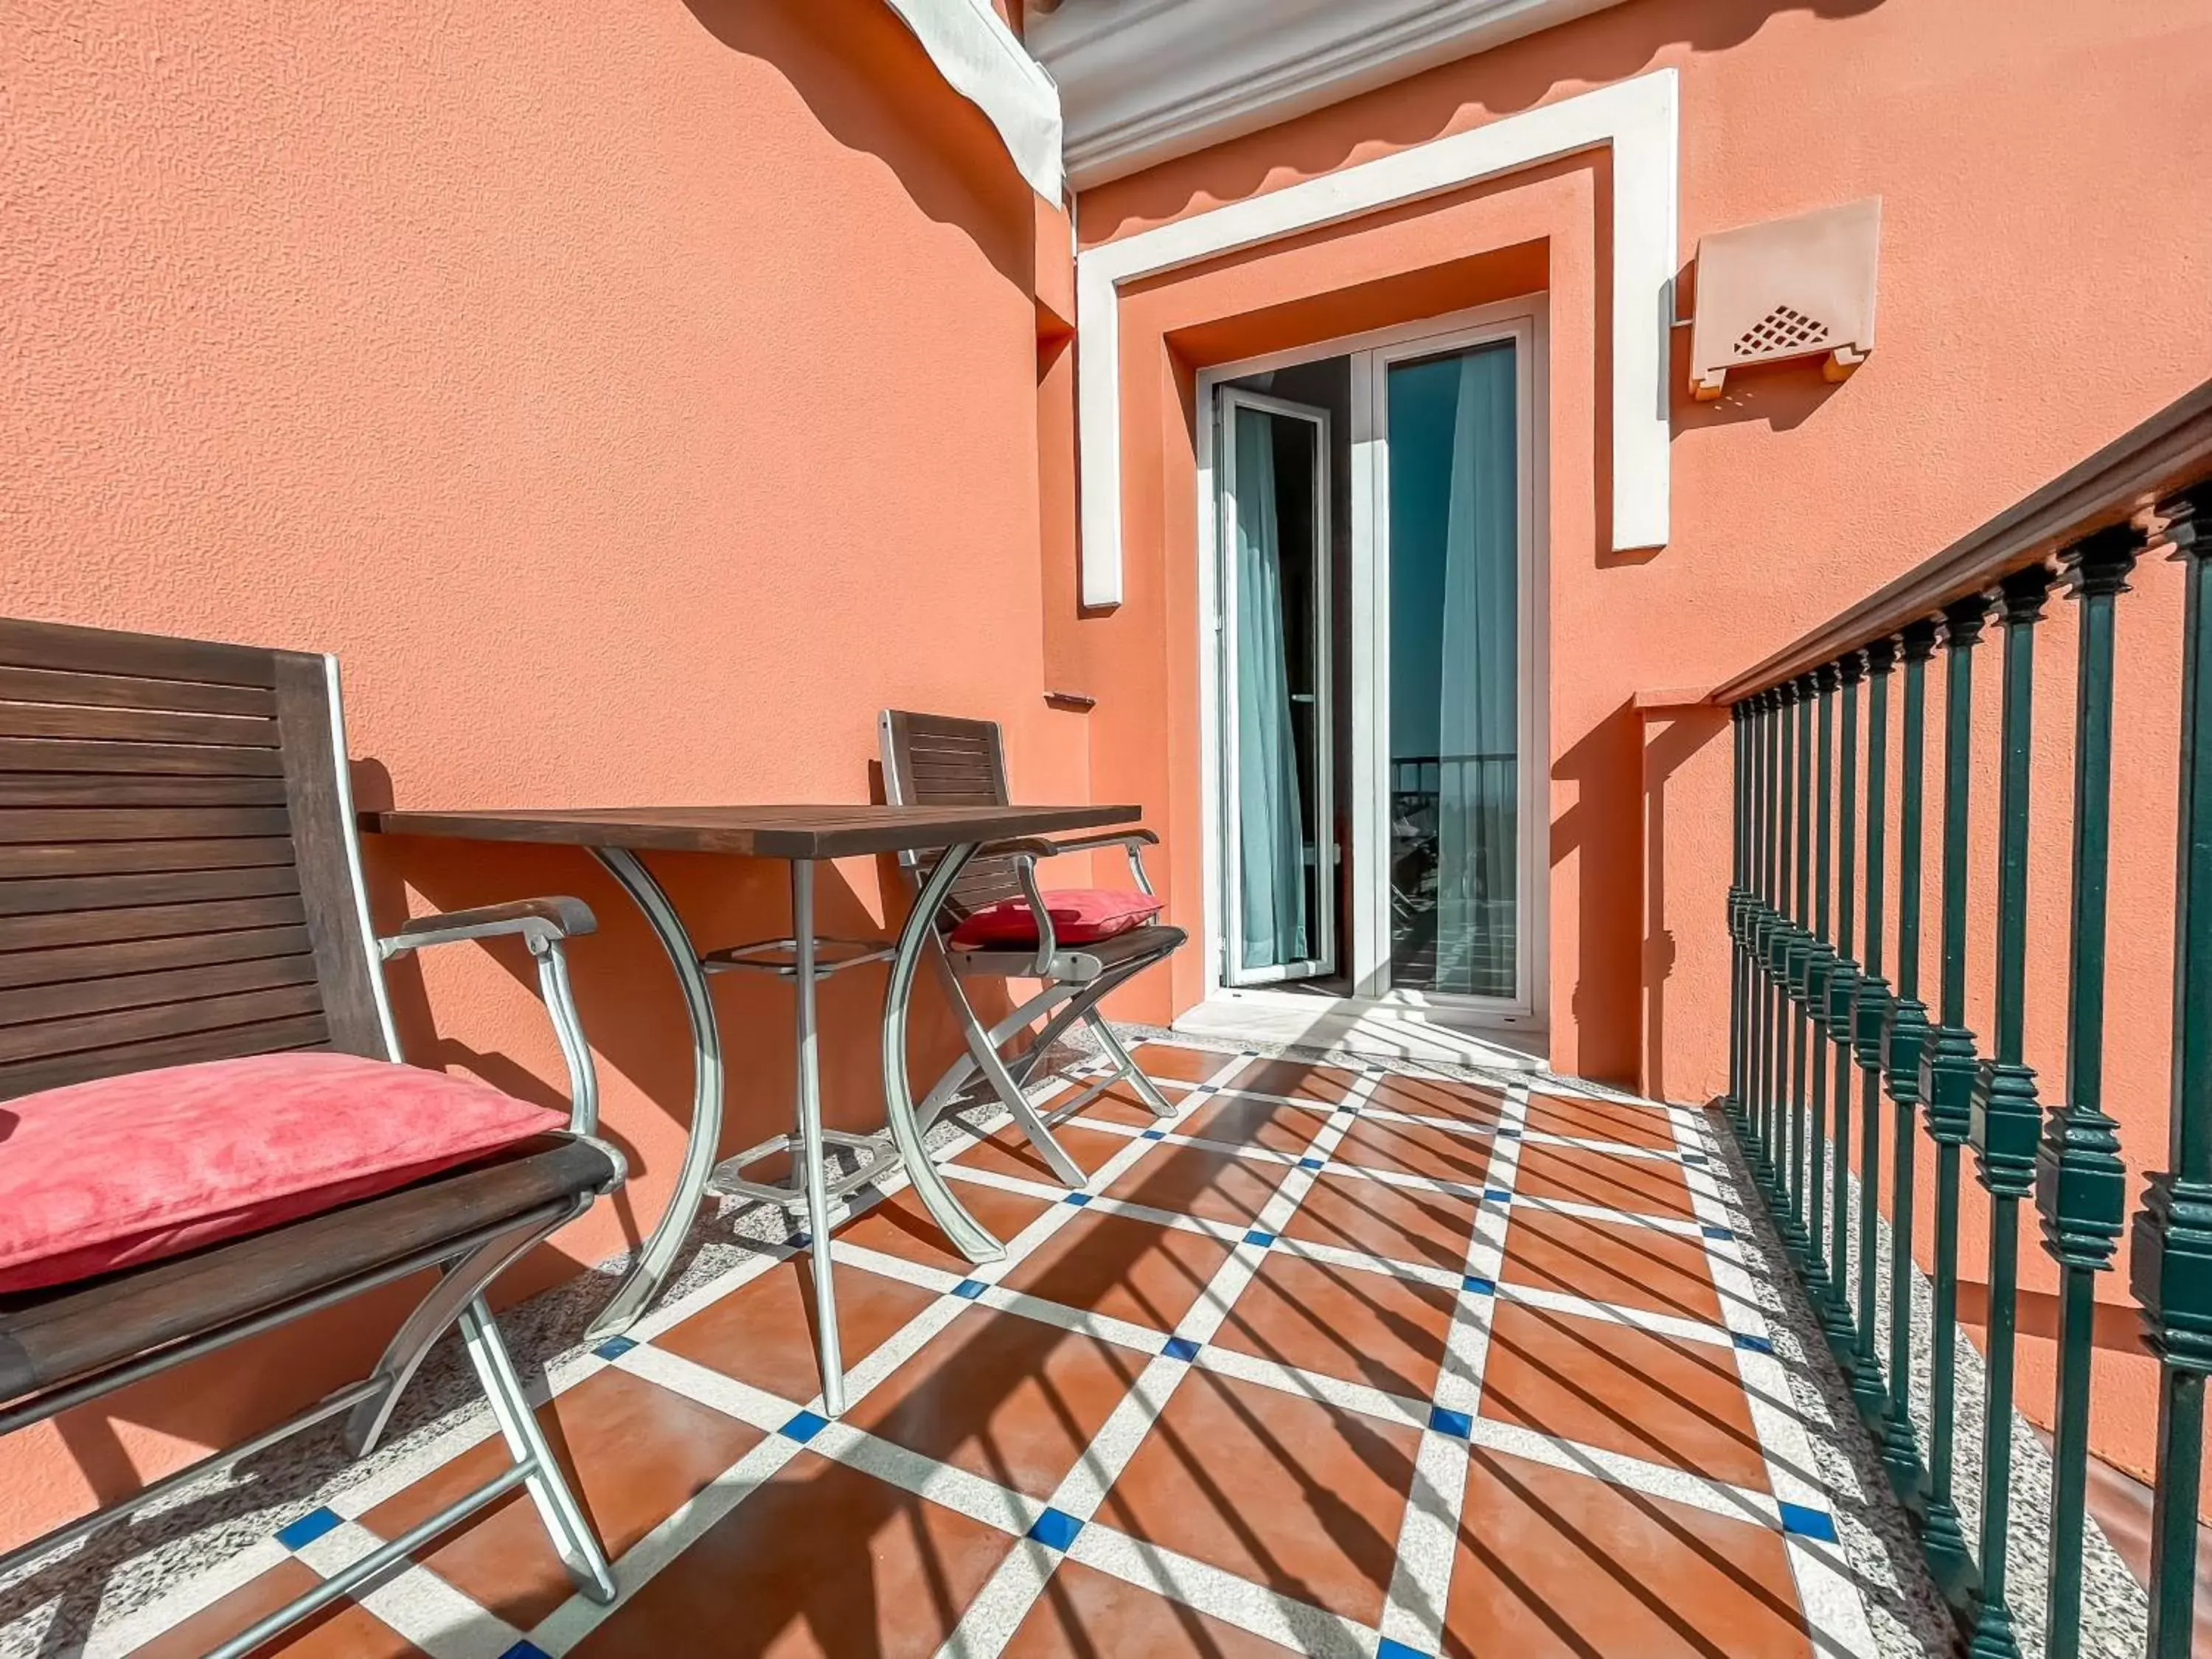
{"x":1799,"y":966}
{"x":1869,"y":1017}
{"x":1907,"y":1036}
{"x":2007,"y":1122}
{"x":1738,"y":715}
{"x":1772,"y":942}
{"x":2171,"y":1256}
{"x":1843,"y":997}
{"x":1946,"y":1082}
{"x":1818,"y":974}
{"x":1761,"y":925}
{"x":1783,"y":949}
{"x":2080,"y":1186}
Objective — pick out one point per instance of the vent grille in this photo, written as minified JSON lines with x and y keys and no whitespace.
{"x":1782,"y":329}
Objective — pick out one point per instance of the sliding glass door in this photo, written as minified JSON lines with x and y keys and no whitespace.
{"x":1279,"y":907}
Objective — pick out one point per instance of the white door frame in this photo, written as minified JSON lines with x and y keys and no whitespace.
{"x":1323,"y":936}
{"x":1523,"y":320}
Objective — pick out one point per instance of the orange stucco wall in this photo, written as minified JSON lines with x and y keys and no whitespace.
{"x":635,"y":400}
{"x":2044,"y":239}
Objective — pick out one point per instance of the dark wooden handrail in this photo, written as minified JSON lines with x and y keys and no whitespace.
{"x":2120,"y":481}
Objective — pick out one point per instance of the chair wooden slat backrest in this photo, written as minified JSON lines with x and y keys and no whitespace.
{"x":936,"y":760}
{"x":179,"y":877}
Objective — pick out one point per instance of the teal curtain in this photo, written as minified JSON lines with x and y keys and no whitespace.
{"x":1479,"y":715}
{"x":1271,"y":841}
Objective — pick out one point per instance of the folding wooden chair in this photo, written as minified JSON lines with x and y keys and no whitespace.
{"x":934,"y":760}
{"x":205,"y":1131}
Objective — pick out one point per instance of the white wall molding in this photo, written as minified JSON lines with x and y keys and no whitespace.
{"x":1637,"y":118}
{"x":981,"y":59}
{"x":1142,"y":80}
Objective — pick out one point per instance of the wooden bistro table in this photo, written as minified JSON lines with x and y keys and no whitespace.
{"x":802,"y":837}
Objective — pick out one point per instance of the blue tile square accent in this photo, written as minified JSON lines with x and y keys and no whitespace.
{"x":1808,"y":1524}
{"x":614,"y":1348}
{"x":802,"y":1427}
{"x":1458,"y":1425}
{"x":1056,"y":1529}
{"x":526,"y":1650}
{"x":1180,"y":1347}
{"x":1254,"y":1235}
{"x":1077,"y":1199}
{"x":1752,"y":1344}
{"x":1312,"y":1163}
{"x":308,"y":1528}
{"x":1693,"y":1158}
{"x":968,"y":1288}
{"x":1497,"y":1195}
{"x":1391,"y":1649}
{"x":1478,"y":1286}
{"x":1724,"y":1234}
{"x":1505,"y":1133}
{"x":1152,"y":1134}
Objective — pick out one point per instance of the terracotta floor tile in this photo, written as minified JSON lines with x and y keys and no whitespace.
{"x":1374,"y":1143}
{"x":1607,"y":1385}
{"x":344,"y":1631}
{"x":1085,"y":1614}
{"x":1340,"y":1321}
{"x":1329,"y":1083}
{"x":1273,"y":1487}
{"x":1435,"y":1096}
{"x":634,"y":1452}
{"x":1123,"y":1267}
{"x":1553,"y":1563}
{"x":764,"y":1333}
{"x":1168,"y":1060}
{"x":1119,"y":1104}
{"x":1247,"y":1121}
{"x":1193,"y":1181}
{"x":1009,"y":1152}
{"x":1358,"y":1214}
{"x":1013,"y":1399}
{"x":822,"y":1561}
{"x":1641,"y":1186}
{"x":900,"y":1227}
{"x":1615,"y":1262}
{"x":1602,"y":1120}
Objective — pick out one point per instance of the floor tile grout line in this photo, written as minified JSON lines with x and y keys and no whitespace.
{"x":577,"y":1617}
{"x":1417,"y":1603}
{"x":1831,"y":1601}
{"x":991,"y":1618}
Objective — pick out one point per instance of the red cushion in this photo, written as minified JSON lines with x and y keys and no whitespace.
{"x":125,"y":1171}
{"x":1081,"y":915}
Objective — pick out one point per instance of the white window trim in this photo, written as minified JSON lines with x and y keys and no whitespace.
{"x":1638,"y":118}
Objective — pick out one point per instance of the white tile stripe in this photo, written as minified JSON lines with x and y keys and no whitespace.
{"x":420,"y":1605}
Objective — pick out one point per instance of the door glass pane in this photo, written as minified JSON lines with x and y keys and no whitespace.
{"x":1275,"y":671}
{"x":1455,"y":673}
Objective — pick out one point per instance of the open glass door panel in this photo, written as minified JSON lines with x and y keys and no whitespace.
{"x":1277,"y":721}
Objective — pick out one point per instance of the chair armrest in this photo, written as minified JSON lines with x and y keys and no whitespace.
{"x":541,"y":924}
{"x":538,"y":920}
{"x":1110,"y":838}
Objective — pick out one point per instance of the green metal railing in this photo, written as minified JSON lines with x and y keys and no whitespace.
{"x":1825,"y":1047}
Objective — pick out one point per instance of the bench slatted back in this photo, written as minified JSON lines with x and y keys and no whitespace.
{"x":939,"y":760}
{"x":177,"y":868}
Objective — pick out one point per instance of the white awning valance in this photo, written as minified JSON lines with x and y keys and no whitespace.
{"x":982,"y":60}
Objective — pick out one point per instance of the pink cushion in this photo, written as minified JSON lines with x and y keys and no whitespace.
{"x":125,"y":1171}
{"x":1081,"y":915}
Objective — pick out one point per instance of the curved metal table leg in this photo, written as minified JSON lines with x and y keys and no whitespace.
{"x":657,"y":1258}
{"x":966,"y":1234}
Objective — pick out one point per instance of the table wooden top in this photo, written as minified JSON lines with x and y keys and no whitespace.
{"x":770,"y":832}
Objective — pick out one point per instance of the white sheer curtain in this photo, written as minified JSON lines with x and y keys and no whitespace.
{"x":1271,"y":839}
{"x":1478,"y":727}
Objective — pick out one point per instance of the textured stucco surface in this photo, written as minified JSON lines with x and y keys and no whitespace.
{"x":634,"y":398}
